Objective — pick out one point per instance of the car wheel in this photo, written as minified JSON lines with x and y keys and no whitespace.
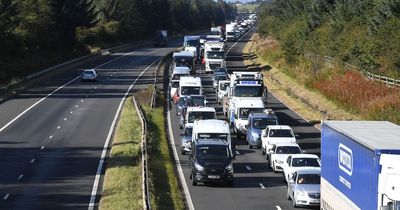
{"x":288,"y":194}
{"x":229,"y":183}
{"x":183,"y":152}
{"x":273,"y":168}
{"x":191,"y":175}
{"x":262,"y":151}
{"x":294,"y":201}
{"x":194,"y":183}
{"x":250,"y":147}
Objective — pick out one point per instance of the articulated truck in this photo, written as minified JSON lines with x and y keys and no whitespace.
{"x":360,"y":165}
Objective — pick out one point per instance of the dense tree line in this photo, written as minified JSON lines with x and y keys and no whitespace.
{"x":363,"y":32}
{"x":35,"y":33}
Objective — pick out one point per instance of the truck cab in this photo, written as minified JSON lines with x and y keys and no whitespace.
{"x":184,"y":58}
{"x":160,"y":38}
{"x":188,"y":86}
{"x":257,"y":123}
{"x":240,"y":110}
{"x":214,"y":55}
{"x":192,"y":44}
{"x":231,"y":32}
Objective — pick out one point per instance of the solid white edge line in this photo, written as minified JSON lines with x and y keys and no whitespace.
{"x":176,"y":156}
{"x":248,"y":168}
{"x":6,"y":196}
{"x":20,"y":177}
{"x":278,"y":207}
{"x":108,"y":139}
{"x":239,"y":40}
{"x":59,"y":88}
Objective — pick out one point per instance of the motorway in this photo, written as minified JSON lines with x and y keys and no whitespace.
{"x":54,"y":135}
{"x":255,"y":186}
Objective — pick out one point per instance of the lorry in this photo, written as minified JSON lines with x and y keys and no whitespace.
{"x":360,"y":165}
{"x":160,"y":38}
{"x":184,"y":58}
{"x":214,"y":55}
{"x":231,"y":32}
{"x":192,"y":44}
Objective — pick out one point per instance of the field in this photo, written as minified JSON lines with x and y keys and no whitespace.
{"x":247,"y":7}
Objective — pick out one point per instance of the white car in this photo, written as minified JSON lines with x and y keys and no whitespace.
{"x":304,"y":187}
{"x":299,"y":161}
{"x":89,"y":75}
{"x":274,"y":134}
{"x":280,"y":152}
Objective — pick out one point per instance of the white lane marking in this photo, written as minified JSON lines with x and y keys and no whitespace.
{"x":248,"y":168}
{"x":65,"y":119}
{"x":103,"y":154}
{"x":35,"y":104}
{"x":6,"y":196}
{"x":237,"y":41}
{"x":261,"y":185}
{"x":82,"y":100}
{"x":95,"y":87}
{"x":278,"y":207}
{"x":237,"y":152}
{"x":20,"y":177}
{"x":87,"y":96}
{"x":41,"y":148}
{"x":33,"y":160}
{"x":176,"y":156}
{"x":76,"y":106}
{"x":58,"y":127}
{"x":71,"y":112}
{"x":50,"y":137}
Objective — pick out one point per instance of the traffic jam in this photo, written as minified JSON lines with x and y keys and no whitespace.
{"x":206,"y":138}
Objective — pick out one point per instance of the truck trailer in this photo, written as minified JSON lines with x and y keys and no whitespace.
{"x":360,"y":165}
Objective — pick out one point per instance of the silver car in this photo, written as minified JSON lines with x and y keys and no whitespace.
{"x":186,"y":140}
{"x":89,"y":75}
{"x":304,"y":187}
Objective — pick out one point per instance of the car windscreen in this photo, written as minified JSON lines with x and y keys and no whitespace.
{"x":178,"y":76}
{"x":183,"y":61}
{"x":200,"y":116}
{"x":215,"y":55}
{"x":262,"y":123}
{"x":214,"y":32}
{"x":281,"y":133}
{"x":175,"y":84}
{"x":244,"y":112}
{"x":196,"y":101}
{"x":223,"y":86}
{"x":189,"y":90}
{"x":287,"y":150}
{"x":303,"y":162}
{"x":230,"y":33}
{"x":192,"y":43}
{"x":219,"y":69}
{"x":89,"y":72}
{"x":248,"y":91}
{"x":213,"y":152}
{"x":222,"y":136}
{"x":220,"y":77}
{"x":309,"y":179}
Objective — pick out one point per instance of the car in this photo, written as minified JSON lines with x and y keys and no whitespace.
{"x":196,"y":113}
{"x":211,"y":162}
{"x":181,"y":105}
{"x":173,"y":88}
{"x":299,"y":161}
{"x":186,"y":140}
{"x":221,"y":70}
{"x":258,"y":122}
{"x":279,"y":154}
{"x":218,"y":77}
{"x":276,"y":134}
{"x":197,"y":101}
{"x":222,"y":90}
{"x":89,"y":75}
{"x":304,"y":187}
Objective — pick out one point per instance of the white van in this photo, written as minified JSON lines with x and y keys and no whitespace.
{"x":188,"y":86}
{"x":177,"y":73}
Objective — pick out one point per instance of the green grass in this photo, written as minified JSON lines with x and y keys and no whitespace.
{"x":248,"y":7}
{"x":122,"y":188}
{"x":164,"y":187}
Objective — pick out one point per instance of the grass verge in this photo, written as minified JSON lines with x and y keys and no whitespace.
{"x":311,"y":105}
{"x":122,"y":188}
{"x":164,"y":189}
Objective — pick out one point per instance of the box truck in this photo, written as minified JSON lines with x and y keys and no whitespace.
{"x":360,"y":165}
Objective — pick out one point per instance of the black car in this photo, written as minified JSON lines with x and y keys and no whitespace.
{"x":181,"y":105}
{"x":211,"y":162}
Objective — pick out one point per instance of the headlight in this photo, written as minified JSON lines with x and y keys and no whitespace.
{"x":229,"y":167}
{"x":198,"y":167}
{"x":255,"y":135}
{"x":278,"y":161}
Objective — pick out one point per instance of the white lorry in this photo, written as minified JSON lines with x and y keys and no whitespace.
{"x":185,"y":58}
{"x":211,"y":129}
{"x":240,"y":110}
{"x":231,"y":32}
{"x":214,"y":55}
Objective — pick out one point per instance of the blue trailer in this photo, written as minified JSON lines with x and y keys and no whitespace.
{"x":360,"y":165}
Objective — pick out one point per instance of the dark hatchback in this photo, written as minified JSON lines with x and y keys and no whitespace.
{"x":211,"y":162}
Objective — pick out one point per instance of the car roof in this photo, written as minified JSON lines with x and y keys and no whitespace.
{"x":262,"y":115}
{"x":286,"y":145}
{"x":278,"y":127}
{"x":315,"y":170}
{"x":183,"y":53}
{"x":181,"y":69}
{"x":201,"y":109}
{"x":209,"y":142}
{"x":86,"y":70}
{"x":212,"y":126}
{"x":249,"y":102}
{"x":304,"y":156}
{"x":190,"y":81}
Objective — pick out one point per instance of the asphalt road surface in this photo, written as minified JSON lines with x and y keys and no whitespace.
{"x":53,"y":135}
{"x":255,"y":186}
